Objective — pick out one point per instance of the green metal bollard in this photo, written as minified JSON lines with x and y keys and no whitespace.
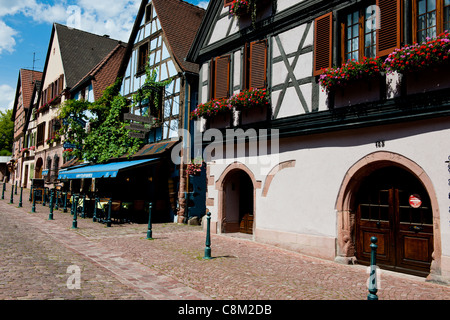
{"x":12,"y":195}
{"x":31,"y":193}
{"x":74,"y":204}
{"x":57,"y":200}
{"x":83,"y":209}
{"x":3,"y":190}
{"x":108,"y":221}
{"x":44,"y":197}
{"x":65,"y":202}
{"x":20,"y":198}
{"x":33,"y":207}
{"x":208,"y":237}
{"x":149,"y":229}
{"x":94,"y":218}
{"x":373,"y":270}
{"x":15,"y":191}
{"x":50,"y":216}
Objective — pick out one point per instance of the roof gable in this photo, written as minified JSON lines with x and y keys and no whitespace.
{"x":26,"y":81}
{"x":81,"y":51}
{"x":180,"y":22}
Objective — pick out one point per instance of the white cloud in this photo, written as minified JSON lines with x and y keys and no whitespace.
{"x":7,"y":41}
{"x":7,"y":95}
{"x":115,"y":19}
{"x":203,"y":4}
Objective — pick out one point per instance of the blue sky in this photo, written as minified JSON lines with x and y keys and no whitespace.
{"x":25,"y":28}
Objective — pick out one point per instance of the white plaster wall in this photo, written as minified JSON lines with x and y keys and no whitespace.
{"x":302,"y":200}
{"x":55,"y":66}
{"x":285,"y":4}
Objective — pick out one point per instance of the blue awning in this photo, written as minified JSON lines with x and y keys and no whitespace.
{"x":108,"y":170}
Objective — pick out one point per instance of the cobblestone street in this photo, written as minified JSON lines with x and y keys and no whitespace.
{"x":119,"y":263}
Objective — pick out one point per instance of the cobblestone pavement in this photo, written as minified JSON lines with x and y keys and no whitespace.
{"x":120,"y":263}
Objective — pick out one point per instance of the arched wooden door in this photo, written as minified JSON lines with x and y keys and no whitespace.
{"x":394,"y":206}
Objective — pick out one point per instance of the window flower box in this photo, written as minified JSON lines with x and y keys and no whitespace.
{"x":253,"y":105}
{"x":355,"y":82}
{"x":424,"y":66}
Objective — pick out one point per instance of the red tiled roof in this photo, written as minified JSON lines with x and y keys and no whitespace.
{"x":180,"y":22}
{"x":27,"y":78}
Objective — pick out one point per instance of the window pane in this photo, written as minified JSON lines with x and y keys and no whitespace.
{"x":422,"y":24}
{"x":422,"y":6}
{"x":431,"y":19}
{"x":431,"y":5}
{"x":355,"y":17}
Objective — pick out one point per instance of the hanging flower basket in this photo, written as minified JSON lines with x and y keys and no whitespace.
{"x":239,"y":7}
{"x":349,"y":72}
{"x":194,"y":168}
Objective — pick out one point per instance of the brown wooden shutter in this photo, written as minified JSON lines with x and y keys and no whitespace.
{"x":61,"y":84}
{"x":222,"y":77}
{"x":227,"y":3}
{"x":258,"y":64}
{"x":389,"y":32}
{"x":323,"y":42}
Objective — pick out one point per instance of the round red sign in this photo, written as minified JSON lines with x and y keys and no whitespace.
{"x":415,"y":201}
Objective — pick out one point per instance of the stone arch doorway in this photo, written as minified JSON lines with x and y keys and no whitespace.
{"x":238,"y":204}
{"x":38,"y":168}
{"x":373,"y":200}
{"x":237,"y":193}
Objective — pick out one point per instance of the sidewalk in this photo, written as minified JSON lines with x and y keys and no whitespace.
{"x":171,"y":265}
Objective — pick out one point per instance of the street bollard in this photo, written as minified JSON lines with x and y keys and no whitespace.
{"x":3,"y":190}
{"x":208,"y":237}
{"x":20,"y":198}
{"x":15,"y":192}
{"x":12,"y":195}
{"x":149,"y":229}
{"x":108,"y":222}
{"x":373,"y":270}
{"x":65,"y":202}
{"x":33,"y":207}
{"x":84,"y":207}
{"x":74,"y":205}
{"x":57,"y":200}
{"x":44,"y":197}
{"x":94,"y":218}
{"x":30,"y":198}
{"x":50,"y":216}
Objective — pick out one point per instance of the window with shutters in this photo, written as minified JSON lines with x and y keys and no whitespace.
{"x":430,"y":18}
{"x":40,"y":134}
{"x":220,"y":76}
{"x":359,"y":34}
{"x":142,"y":58}
{"x":255,"y":65}
{"x":374,"y":30}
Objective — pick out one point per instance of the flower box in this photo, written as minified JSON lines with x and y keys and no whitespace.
{"x":424,"y":66}
{"x":254,"y":115}
{"x":220,"y":120}
{"x":426,"y":80}
{"x":357,"y":92}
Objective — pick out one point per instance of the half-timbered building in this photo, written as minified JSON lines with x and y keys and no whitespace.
{"x":355,"y":159}
{"x":161,"y":37}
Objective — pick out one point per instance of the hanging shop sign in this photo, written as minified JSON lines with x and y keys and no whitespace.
{"x":415,"y":201}
{"x":129,"y":116}
{"x":137,"y":127}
